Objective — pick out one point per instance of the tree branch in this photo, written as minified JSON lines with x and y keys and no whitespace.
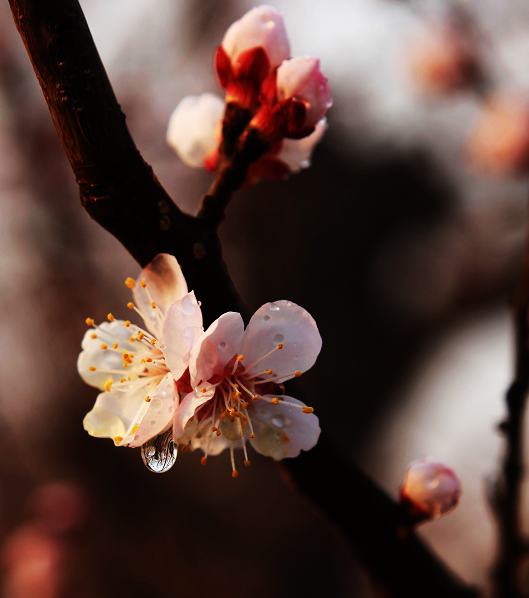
{"x":508,"y":491}
{"x":119,"y":190}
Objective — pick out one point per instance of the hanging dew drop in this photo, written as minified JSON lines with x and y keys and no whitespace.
{"x":159,"y":454}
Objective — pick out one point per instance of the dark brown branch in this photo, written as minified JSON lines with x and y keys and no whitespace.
{"x":507,"y":497}
{"x":120,"y":191}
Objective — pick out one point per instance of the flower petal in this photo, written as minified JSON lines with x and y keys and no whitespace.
{"x":117,"y":413}
{"x":182,"y":327}
{"x":216,"y":347}
{"x":261,"y":26}
{"x":275,"y":324}
{"x":161,"y":283}
{"x":97,"y":366}
{"x":282,"y":430}
{"x":160,"y":412}
{"x":296,"y":153}
{"x":187,"y":408}
{"x":195,"y":127}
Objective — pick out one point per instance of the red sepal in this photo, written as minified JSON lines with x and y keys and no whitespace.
{"x":252,"y":66}
{"x":223,"y":67}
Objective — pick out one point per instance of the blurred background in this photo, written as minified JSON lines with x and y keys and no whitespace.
{"x":403,"y":240}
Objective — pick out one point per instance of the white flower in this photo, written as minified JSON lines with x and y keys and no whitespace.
{"x":301,"y":78}
{"x":297,"y":153}
{"x":262,"y":27}
{"x":431,"y":489}
{"x":233,"y":375}
{"x":136,"y":369}
{"x":195,"y":127}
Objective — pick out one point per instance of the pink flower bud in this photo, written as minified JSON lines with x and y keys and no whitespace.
{"x":499,"y":142}
{"x":430,"y":489}
{"x":262,"y":27}
{"x":444,"y":60}
{"x":301,"y":78}
{"x":194,"y":128}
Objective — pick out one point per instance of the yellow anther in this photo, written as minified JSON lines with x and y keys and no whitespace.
{"x":298,"y":373}
{"x":122,"y":380}
{"x":135,"y":428}
{"x":108,"y":384}
{"x":280,"y":346}
{"x":147,"y":399}
{"x":93,"y":335}
{"x":308,"y":410}
{"x":104,"y":346}
{"x":92,"y":368}
{"x":143,"y":284}
{"x":153,"y":305}
{"x":274,"y":401}
{"x":132,"y":339}
{"x":268,"y":372}
{"x":130,"y":305}
{"x":118,"y":439}
{"x":240,"y":357}
{"x":126,"y":323}
{"x":115,"y":346}
{"x":152,"y":341}
{"x":89,"y":322}
{"x":148,"y":359}
{"x":130,"y":282}
{"x":110,"y":317}
{"x":141,"y":336}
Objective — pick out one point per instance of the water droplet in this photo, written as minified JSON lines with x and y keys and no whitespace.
{"x":222,"y":345}
{"x":278,"y":421}
{"x":159,"y":453}
{"x":274,"y":307}
{"x":279,"y":338}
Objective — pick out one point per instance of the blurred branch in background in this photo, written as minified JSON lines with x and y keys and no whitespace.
{"x":119,"y":191}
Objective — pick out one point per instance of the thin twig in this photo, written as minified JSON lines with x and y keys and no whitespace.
{"x":120,"y":191}
{"x":507,"y":497}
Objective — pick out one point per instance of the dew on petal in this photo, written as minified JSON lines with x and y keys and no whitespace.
{"x":278,"y":421}
{"x":159,"y":454}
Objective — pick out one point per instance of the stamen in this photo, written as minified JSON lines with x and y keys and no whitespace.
{"x":104,"y":346}
{"x":143,"y":284}
{"x":130,"y":305}
{"x":92,"y":368}
{"x":110,"y":317}
{"x":127,"y":323}
{"x":93,"y":336}
{"x":130,"y":282}
{"x":89,"y":322}
{"x":234,"y":472}
{"x":308,"y":409}
{"x":274,"y":401}
{"x":108,"y":385}
{"x":278,"y":347}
